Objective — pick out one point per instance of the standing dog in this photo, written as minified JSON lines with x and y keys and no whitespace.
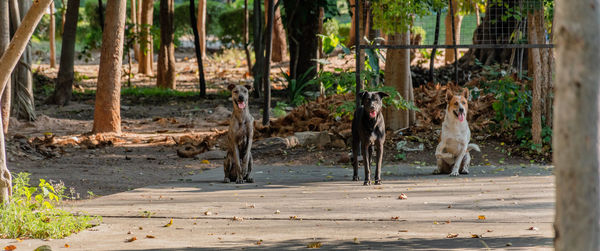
{"x":452,"y":153}
{"x":238,"y":163}
{"x":368,"y":131}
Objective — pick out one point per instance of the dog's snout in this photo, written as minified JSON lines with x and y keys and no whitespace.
{"x":461,"y":110}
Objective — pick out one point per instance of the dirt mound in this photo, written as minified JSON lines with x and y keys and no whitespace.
{"x":431,"y":101}
{"x":318,"y":115}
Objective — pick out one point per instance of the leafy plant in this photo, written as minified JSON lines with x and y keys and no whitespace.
{"x":296,"y":87}
{"x":33,"y":212}
{"x":279,"y":110}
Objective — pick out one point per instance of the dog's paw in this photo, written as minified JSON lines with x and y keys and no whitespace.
{"x":437,"y":171}
{"x":355,"y":178}
{"x":378,"y":182}
{"x":226,"y":180}
{"x":454,"y":174}
{"x":367,"y":183}
{"x":239,"y":181}
{"x":250,"y":180}
{"x":464,"y":172}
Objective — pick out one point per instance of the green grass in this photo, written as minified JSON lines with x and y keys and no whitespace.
{"x":33,"y":212}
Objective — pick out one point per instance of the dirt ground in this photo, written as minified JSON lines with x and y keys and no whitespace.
{"x":146,"y":152}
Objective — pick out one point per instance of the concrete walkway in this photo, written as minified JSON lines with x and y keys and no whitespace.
{"x":292,"y":207}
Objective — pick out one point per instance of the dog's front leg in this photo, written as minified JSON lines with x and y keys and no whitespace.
{"x":237,"y":165}
{"x":459,"y":160}
{"x":248,"y":157}
{"x":367,"y":162}
{"x":379,"y":162}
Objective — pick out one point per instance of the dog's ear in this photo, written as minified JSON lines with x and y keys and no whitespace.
{"x":449,"y":95}
{"x":230,"y":87}
{"x":249,"y":87}
{"x":466,"y":93}
{"x":382,"y":95}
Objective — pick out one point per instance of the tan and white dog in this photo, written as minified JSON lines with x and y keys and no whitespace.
{"x":452,"y":153}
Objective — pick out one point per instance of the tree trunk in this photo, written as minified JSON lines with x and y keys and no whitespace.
{"x":197,"y":47}
{"x":202,"y":26}
{"x":303,"y":26}
{"x":52,"y":35}
{"x":136,"y":29}
{"x":4,"y":41}
{"x":576,"y":126}
{"x":63,"y":13}
{"x":107,"y":113}
{"x":146,"y":48}
{"x":23,"y":103}
{"x":64,"y":81}
{"x":279,"y":51}
{"x":8,"y":61}
{"x":435,"y":42}
{"x":259,"y":52}
{"x":165,"y":77}
{"x":538,"y":80}
{"x":270,"y":10}
{"x":101,"y":14}
{"x":449,"y":53}
{"x":246,"y":37}
{"x":397,"y":75}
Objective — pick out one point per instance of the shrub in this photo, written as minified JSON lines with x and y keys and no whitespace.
{"x":232,"y":26}
{"x":32,"y":212}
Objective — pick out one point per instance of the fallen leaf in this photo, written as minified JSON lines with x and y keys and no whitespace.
{"x":509,"y":244}
{"x":235,"y":218}
{"x":450,"y":206}
{"x":43,"y":248}
{"x":533,"y":228}
{"x":277,"y":211}
{"x":207,"y":213}
{"x":132,"y":239}
{"x":294,"y":217}
{"x":475,"y":236}
{"x":356,"y":241}
{"x":395,"y":217}
{"x":481,"y":217}
{"x":10,"y":248}
{"x":67,"y":245}
{"x":316,"y":244}
{"x":150,"y":236}
{"x":169,"y":224}
{"x":450,"y":236}
{"x":204,"y":161}
{"x":259,"y":242}
{"x":403,"y":230}
{"x":402,"y":196}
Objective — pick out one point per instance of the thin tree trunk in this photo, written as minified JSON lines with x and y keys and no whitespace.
{"x":576,"y":126}
{"x":136,"y":29}
{"x":8,"y":61}
{"x":279,"y":51}
{"x":435,"y":42}
{"x":52,"y":35}
{"x":64,"y":81}
{"x":258,"y":49}
{"x":23,"y":103}
{"x":352,"y":35}
{"x":107,"y":113}
{"x":165,"y":77}
{"x":101,"y":14}
{"x":197,"y":47}
{"x":449,"y":53}
{"x":4,"y":41}
{"x":397,"y":75}
{"x":146,"y":48}
{"x":538,"y":80}
{"x":268,"y":45}
{"x":202,"y":26}
{"x":246,"y":37}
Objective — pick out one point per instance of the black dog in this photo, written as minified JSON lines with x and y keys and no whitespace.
{"x":368,"y":131}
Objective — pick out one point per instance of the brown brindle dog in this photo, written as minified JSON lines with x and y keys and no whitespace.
{"x":238,"y":163}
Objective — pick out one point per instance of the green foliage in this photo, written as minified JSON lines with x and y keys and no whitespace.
{"x":393,"y":16}
{"x":296,"y":87}
{"x":337,"y":82}
{"x":33,"y":212}
{"x":279,"y":110}
{"x":232,"y":26}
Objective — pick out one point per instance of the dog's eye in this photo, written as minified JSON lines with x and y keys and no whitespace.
{"x":464,"y":103}
{"x":455,"y":103}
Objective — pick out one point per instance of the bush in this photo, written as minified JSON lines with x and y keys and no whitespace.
{"x":232,"y":26}
{"x":32,"y":212}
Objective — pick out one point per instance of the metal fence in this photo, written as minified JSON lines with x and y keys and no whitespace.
{"x":502,"y":25}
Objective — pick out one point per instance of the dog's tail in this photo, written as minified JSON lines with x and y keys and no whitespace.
{"x":473,"y":147}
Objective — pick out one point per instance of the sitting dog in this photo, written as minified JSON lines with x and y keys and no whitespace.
{"x":452,"y":153}
{"x":368,"y":131}
{"x":238,"y":163}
